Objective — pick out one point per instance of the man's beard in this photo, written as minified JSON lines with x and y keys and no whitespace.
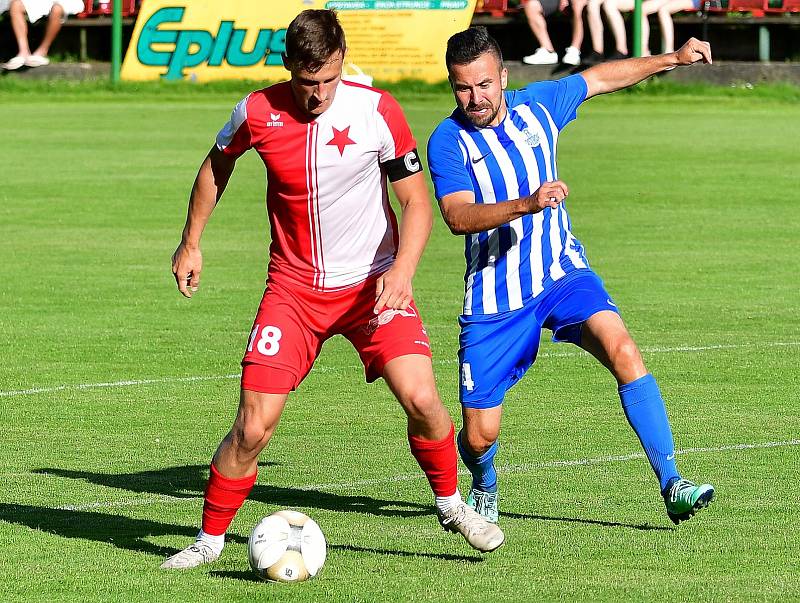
{"x":481,"y":122}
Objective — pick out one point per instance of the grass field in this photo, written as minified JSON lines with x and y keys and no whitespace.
{"x":114,"y":390}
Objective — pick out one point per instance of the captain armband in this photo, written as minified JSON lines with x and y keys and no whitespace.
{"x":402,"y":167}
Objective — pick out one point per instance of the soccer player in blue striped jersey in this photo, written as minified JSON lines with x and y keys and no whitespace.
{"x":493,"y":165}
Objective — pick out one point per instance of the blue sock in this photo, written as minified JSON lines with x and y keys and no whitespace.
{"x":644,"y":409}
{"x":484,"y":476}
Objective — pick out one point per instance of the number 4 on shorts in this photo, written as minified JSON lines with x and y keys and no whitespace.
{"x":466,"y":377}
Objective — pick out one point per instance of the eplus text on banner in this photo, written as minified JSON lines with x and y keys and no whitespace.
{"x":243,"y":39}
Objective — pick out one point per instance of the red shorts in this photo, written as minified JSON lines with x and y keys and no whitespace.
{"x":293,"y":323}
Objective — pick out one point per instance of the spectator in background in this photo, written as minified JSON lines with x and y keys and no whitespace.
{"x":595,"y":21}
{"x":665,"y":10}
{"x":22,"y":11}
{"x":612,"y":9}
{"x":536,"y":11}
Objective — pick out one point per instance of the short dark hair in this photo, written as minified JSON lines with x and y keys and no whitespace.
{"x":466,"y":46}
{"x":311,"y":38}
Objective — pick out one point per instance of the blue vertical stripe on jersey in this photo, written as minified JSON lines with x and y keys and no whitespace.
{"x":500,"y":192}
{"x":524,"y":184}
{"x":564,"y":260}
{"x":546,"y":249}
{"x":519,"y":165}
{"x":477,"y":279}
{"x":541,"y":116}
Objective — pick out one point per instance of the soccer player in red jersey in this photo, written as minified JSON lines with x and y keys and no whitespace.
{"x":339,"y":264}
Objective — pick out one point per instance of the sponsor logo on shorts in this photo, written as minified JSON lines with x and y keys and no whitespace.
{"x":387,"y":316}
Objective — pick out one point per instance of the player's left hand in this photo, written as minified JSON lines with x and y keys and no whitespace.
{"x":694,"y":51}
{"x":393,"y":290}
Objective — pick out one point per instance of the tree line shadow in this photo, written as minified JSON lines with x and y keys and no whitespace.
{"x":189,"y":481}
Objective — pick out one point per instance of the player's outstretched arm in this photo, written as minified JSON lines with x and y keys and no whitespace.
{"x":615,"y":75}
{"x":464,"y":216}
{"x":394,"y":289}
{"x":210,"y":183}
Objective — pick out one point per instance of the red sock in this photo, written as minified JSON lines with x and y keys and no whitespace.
{"x":223,"y":498}
{"x":439,"y":462}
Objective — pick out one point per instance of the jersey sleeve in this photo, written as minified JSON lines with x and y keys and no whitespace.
{"x":447,"y":162}
{"x":561,"y":97}
{"x":235,"y":136}
{"x":397,"y":139}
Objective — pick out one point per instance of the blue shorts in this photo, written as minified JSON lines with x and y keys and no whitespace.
{"x":497,"y":349}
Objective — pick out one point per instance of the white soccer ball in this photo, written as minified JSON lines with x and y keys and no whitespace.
{"x":287,"y":546}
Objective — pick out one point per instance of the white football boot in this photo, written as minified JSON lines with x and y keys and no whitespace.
{"x":193,"y":555}
{"x":479,"y":533}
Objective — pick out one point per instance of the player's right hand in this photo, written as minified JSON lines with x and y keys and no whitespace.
{"x":694,"y":51}
{"x":187,"y":262}
{"x":550,"y":194}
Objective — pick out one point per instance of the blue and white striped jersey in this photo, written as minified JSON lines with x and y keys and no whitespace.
{"x":514,"y":263}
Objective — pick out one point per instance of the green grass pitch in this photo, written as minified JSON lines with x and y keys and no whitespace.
{"x":114,"y":390}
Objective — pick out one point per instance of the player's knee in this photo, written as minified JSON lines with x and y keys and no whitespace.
{"x":626,"y":357}
{"x":533,"y":9}
{"x":422,"y":404}
{"x":250,"y":438}
{"x":479,"y":440}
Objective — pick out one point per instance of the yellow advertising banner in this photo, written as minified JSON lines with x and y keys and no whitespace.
{"x":203,"y":40}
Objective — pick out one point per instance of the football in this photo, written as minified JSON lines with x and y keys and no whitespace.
{"x":286,"y":546}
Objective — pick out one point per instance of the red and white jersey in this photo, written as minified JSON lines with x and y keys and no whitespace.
{"x":327,"y":198}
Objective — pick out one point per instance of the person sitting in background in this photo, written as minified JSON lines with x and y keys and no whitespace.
{"x":22,"y":11}
{"x":536,"y":11}
{"x":665,"y":10}
{"x":612,"y":9}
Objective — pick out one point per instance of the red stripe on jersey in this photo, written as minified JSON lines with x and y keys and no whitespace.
{"x":389,"y":109}
{"x":316,"y":201}
{"x":311,"y":184}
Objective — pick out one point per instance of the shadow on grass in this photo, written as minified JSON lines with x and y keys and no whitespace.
{"x":594,"y":522}
{"x":131,"y":534}
{"x":190,"y":481}
{"x":123,"y":532}
{"x":347,"y":548}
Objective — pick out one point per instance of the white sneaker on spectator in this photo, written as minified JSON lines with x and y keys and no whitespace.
{"x":15,"y":63}
{"x":36,"y":60}
{"x":572,"y":56}
{"x":542,"y":56}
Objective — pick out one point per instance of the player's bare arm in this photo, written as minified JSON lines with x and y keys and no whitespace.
{"x":615,"y":75}
{"x":464,"y":216}
{"x":210,"y":183}
{"x":394,"y":288}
